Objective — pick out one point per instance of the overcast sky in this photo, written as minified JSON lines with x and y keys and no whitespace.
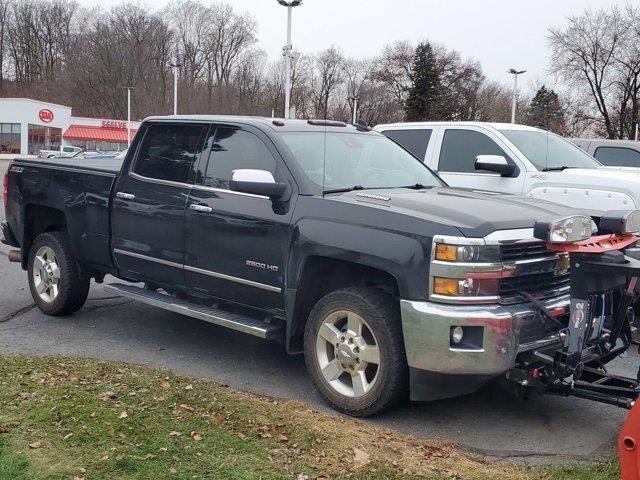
{"x":499,"y":33}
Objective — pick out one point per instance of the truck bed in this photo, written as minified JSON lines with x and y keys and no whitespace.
{"x":104,"y":165}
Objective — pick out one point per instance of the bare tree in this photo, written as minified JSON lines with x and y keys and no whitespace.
{"x":326,"y":79}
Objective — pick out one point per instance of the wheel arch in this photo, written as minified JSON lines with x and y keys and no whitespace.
{"x":39,"y":219}
{"x":335,"y":273}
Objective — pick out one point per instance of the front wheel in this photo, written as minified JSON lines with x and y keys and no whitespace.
{"x":354,"y":351}
{"x":55,"y":280}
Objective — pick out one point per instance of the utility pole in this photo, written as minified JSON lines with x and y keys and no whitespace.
{"x":287,"y":49}
{"x":515,"y":74}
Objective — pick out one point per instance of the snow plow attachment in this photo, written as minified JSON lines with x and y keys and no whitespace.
{"x":600,"y":324}
{"x":629,"y":446}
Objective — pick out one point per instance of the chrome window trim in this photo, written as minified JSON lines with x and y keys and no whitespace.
{"x":201,"y":271}
{"x":159,"y":181}
{"x":205,"y":188}
{"x":226,"y":190}
{"x":442,"y":172}
{"x":223,"y":276}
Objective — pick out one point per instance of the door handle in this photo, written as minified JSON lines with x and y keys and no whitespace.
{"x":126,"y":196}
{"x":200,"y":208}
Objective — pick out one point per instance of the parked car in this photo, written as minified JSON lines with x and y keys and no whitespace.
{"x":328,"y":237}
{"x":611,"y":153}
{"x":520,"y":160}
{"x":64,"y":151}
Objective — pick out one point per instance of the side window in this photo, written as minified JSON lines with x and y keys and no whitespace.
{"x":67,"y":149}
{"x":169,"y":151}
{"x":461,"y":147}
{"x":618,"y":157}
{"x":235,"y":149}
{"x":415,"y":141}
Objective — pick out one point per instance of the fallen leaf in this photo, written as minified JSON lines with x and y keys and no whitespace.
{"x":104,"y":457}
{"x":36,"y":444}
{"x":196,"y":436}
{"x":302,"y":476}
{"x":184,"y":406}
{"x":78,"y":477}
{"x":164,"y":384}
{"x":283,"y":438}
{"x":241,"y":435}
{"x":217,"y":418}
{"x":106,"y":396}
{"x":68,"y":435}
{"x":324,"y":476}
{"x":123,"y":415}
{"x":189,"y":387}
{"x":360,"y":458}
{"x":175,"y":434}
{"x":173,"y":471}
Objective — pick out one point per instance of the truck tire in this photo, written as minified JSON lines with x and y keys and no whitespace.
{"x":55,"y":280}
{"x":354,"y":351}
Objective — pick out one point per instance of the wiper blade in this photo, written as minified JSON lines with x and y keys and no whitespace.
{"x":416,"y":186}
{"x":556,"y":169}
{"x":343,"y":190}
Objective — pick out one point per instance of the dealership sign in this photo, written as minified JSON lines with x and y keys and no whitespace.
{"x":114,"y":124}
{"x":46,"y":115}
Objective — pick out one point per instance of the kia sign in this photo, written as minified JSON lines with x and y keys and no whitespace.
{"x":45,"y":115}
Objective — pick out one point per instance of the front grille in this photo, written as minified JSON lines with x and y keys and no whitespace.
{"x":540,"y":284}
{"x":524,"y":251}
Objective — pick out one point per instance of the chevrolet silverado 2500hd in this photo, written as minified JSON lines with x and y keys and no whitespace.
{"x":328,"y":237}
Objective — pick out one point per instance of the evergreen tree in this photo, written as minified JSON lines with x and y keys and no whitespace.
{"x":425,"y":95}
{"x":546,"y":110}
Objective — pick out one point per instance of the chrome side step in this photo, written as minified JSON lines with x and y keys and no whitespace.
{"x":234,"y":321}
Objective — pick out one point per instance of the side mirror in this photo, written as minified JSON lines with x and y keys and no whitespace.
{"x":257,"y":182}
{"x":495,"y":163}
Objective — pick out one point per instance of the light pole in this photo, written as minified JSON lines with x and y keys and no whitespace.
{"x":355,"y":109}
{"x":128,"y":117}
{"x":515,"y":74}
{"x":287,"y":49}
{"x":175,"y":67}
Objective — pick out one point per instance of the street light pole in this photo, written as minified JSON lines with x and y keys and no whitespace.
{"x":175,"y":67}
{"x":515,"y":74}
{"x":355,"y":109}
{"x":128,"y":117}
{"x":287,"y":49}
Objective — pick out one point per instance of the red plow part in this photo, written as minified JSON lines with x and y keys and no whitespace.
{"x":629,"y":446}
{"x":599,"y":244}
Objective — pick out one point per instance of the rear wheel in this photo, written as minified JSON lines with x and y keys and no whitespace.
{"x":354,"y":351}
{"x":55,"y":280}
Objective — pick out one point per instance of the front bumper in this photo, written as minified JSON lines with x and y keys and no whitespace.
{"x":7,"y":235}
{"x":440,"y":370}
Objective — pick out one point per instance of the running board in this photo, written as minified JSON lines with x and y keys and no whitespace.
{"x":234,"y":321}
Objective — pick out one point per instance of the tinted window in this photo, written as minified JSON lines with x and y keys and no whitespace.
{"x":416,"y":141}
{"x":618,"y":157}
{"x":235,"y":149}
{"x":461,"y":147}
{"x":168,"y":152}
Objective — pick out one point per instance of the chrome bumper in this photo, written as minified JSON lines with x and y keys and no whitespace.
{"x":427,"y":331}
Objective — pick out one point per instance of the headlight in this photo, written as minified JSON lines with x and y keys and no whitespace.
{"x":446,"y":252}
{"x":565,"y":230}
{"x":466,"y":287}
{"x":621,"y":221}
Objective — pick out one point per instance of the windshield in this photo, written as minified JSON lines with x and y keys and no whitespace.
{"x":549,"y":151}
{"x":350,"y":160}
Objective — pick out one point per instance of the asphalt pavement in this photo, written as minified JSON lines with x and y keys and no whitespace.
{"x":492,"y":422}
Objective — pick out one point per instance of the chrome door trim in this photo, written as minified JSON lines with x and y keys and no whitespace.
{"x":201,"y":271}
{"x":145,"y":257}
{"x":200,"y":208}
{"x":226,"y":190}
{"x":126,"y":196}
{"x":171,"y":183}
{"x":230,"y":278}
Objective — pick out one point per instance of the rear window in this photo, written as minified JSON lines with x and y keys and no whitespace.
{"x":416,"y":141}
{"x":168,"y":152}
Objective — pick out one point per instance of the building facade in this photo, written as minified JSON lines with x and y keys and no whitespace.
{"x":28,"y":126}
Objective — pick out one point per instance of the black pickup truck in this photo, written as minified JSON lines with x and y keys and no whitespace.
{"x":326,"y":236}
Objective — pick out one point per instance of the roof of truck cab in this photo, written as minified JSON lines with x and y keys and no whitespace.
{"x":497,"y":126}
{"x":275,"y":124}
